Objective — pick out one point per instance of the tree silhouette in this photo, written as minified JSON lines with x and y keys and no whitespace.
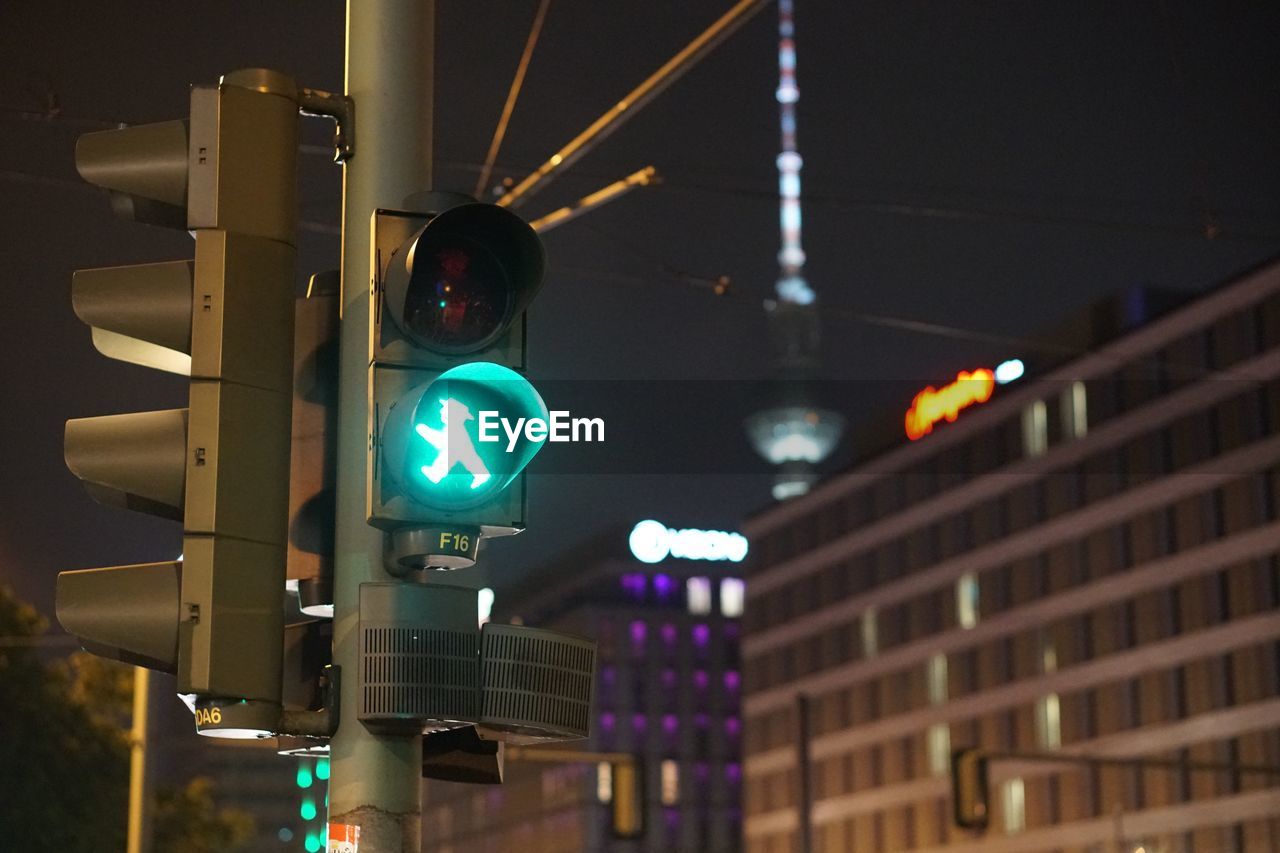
{"x":64,"y":755}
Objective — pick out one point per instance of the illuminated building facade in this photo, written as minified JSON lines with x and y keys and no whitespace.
{"x":1085,"y":563}
{"x":665,"y":613}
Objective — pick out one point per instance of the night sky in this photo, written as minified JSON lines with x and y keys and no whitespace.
{"x":988,"y":166}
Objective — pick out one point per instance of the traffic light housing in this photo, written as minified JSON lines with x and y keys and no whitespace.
{"x":225,"y":319}
{"x":450,"y":288}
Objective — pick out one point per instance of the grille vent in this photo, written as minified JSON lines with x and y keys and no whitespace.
{"x":427,"y":674}
{"x":419,"y":657}
{"x":536,"y":683}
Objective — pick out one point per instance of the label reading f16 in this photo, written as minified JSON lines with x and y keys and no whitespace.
{"x":457,"y":542}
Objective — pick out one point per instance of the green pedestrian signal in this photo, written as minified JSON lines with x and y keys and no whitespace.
{"x":446,"y":443}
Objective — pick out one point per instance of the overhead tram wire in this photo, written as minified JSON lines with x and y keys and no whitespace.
{"x":1209,"y":230}
{"x":652,"y":86}
{"x":516,"y":84}
{"x":1214,"y":230}
{"x":720,"y":286}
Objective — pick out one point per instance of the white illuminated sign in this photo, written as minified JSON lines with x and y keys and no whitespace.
{"x":652,"y":542}
{"x":1008,"y":371}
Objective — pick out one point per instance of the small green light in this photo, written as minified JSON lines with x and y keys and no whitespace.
{"x":312,"y":843}
{"x":304,"y":776}
{"x":308,"y":810}
{"x":322,"y":769}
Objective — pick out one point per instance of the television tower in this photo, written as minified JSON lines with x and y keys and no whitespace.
{"x":791,"y":431}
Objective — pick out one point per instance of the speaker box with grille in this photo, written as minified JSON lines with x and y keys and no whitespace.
{"x":419,"y":657}
{"x":537,"y":685}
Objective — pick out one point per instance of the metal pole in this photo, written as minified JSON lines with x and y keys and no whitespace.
{"x":139,"y":837}
{"x":376,"y":779}
{"x":805,"y":770}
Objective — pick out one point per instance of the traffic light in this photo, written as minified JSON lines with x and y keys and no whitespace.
{"x":221,"y":465}
{"x":451,"y":285}
{"x":970,"y":790}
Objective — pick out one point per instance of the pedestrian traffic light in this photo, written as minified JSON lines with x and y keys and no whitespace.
{"x":970,"y":791}
{"x":429,"y":447}
{"x":451,"y":285}
{"x":221,"y":465}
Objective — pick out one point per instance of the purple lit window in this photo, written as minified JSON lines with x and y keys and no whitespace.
{"x":701,"y":721}
{"x":638,"y":632}
{"x":608,"y":675}
{"x":634,"y":585}
{"x":668,"y":634}
{"x":670,"y":724}
{"x":663,"y":586}
{"x":607,"y":721}
{"x":732,"y":680}
{"x":733,"y":772}
{"x":672,"y":819}
{"x":700,"y":679}
{"x":668,"y":679}
{"x":732,"y":727}
{"x":638,"y":723}
{"x":701,"y":635}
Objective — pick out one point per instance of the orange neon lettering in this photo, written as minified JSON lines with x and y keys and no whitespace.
{"x":932,"y":405}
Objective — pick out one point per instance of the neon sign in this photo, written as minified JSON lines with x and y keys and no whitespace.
{"x":652,"y":542}
{"x":933,"y":405}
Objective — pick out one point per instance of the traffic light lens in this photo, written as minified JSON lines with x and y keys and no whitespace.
{"x":445,"y":441}
{"x":459,"y":296}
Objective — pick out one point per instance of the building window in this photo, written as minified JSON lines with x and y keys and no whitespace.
{"x":967,"y":600}
{"x":604,"y":782}
{"x":639,"y":633}
{"x":870,"y":633}
{"x":1013,"y":798}
{"x":1035,"y":429}
{"x":732,"y":597}
{"x":1049,"y":721}
{"x":670,"y":782}
{"x":939,"y":743}
{"x":936,"y":673}
{"x":1075,"y":411}
{"x":1048,"y":707}
{"x":1048,"y":655}
{"x":698,"y":595}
